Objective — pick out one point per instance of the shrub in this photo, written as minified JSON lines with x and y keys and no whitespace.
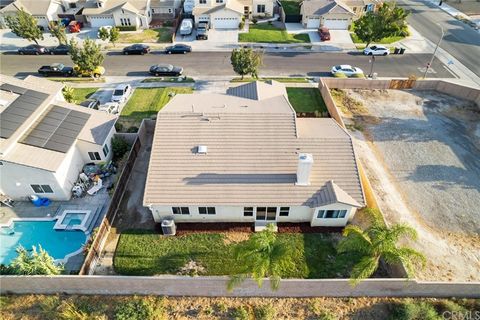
{"x":411,"y":310}
{"x":132,"y":129}
{"x":118,"y":126}
{"x":135,"y":309}
{"x":127,"y":28}
{"x":119,"y":147}
{"x":240,"y":313}
{"x":6,"y":269}
{"x":168,"y":23}
{"x":266,"y":312}
{"x":254,"y":20}
{"x":241,"y":25}
{"x":339,"y":75}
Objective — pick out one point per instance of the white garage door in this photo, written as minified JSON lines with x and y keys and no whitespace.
{"x":100,"y":21}
{"x":336,"y":24}
{"x":225,"y":23}
{"x":313,"y":23}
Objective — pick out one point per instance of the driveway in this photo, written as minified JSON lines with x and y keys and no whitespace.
{"x":218,"y":39}
{"x":340,"y":39}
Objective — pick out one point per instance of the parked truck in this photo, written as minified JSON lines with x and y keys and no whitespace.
{"x":56,"y":69}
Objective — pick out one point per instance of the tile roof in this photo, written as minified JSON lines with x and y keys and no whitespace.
{"x":321,"y":7}
{"x":34,"y":7}
{"x":109,"y":6}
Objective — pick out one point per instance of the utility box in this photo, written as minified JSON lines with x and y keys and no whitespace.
{"x":168,"y":227}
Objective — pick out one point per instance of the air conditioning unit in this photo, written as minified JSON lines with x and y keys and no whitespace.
{"x":168,"y":227}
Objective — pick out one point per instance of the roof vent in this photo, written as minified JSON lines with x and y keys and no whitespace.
{"x":202,"y":149}
{"x":304,"y":168}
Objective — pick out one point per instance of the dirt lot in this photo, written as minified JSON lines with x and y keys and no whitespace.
{"x":421,"y":151}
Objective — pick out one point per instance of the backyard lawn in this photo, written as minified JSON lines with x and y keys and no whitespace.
{"x":306,"y":100}
{"x":291,"y":7}
{"x":268,"y":33}
{"x":158,"y":35}
{"x":81,"y":94}
{"x":142,"y":253}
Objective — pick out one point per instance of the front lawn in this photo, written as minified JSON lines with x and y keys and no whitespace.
{"x":306,"y":100}
{"x":291,"y":7}
{"x":267,"y":33}
{"x":158,"y":35}
{"x":283,"y":80}
{"x":145,"y":253}
{"x":82,"y":94}
{"x":387,"y":40}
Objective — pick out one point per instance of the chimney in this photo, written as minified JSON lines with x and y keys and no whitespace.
{"x":305,"y":163}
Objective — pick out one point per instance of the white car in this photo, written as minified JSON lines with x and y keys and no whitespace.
{"x":186,"y":27}
{"x":110,"y":107}
{"x":376,"y":51}
{"x":346,"y":69}
{"x":108,"y":28}
{"x":121,"y":93}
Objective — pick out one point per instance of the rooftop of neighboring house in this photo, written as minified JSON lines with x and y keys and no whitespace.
{"x":109,"y":6}
{"x":162,"y":3}
{"x":321,"y":7}
{"x":33,"y":7}
{"x":38,"y":128}
{"x":253,"y":141}
{"x":233,"y":5}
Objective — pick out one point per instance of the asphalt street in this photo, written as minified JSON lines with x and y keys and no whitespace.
{"x":460,"y":40}
{"x":199,"y":64}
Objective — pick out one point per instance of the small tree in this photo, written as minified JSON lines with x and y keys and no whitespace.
{"x":34,"y":263}
{"x":68,"y":94}
{"x":86,"y":58}
{"x":377,"y":242}
{"x":58,"y":31}
{"x":25,"y":26}
{"x":246,"y":61}
{"x":261,"y":256}
{"x":103,"y":34}
{"x":114,"y":35}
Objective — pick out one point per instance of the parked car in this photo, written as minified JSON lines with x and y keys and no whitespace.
{"x":136,"y":49}
{"x":346,"y":70}
{"x":33,"y":49}
{"x":178,"y":48}
{"x":91,"y":103}
{"x":61,"y":49}
{"x":110,"y":107}
{"x":97,"y":73}
{"x":376,"y":51}
{"x":324,"y":33}
{"x":108,"y":28}
{"x":186,"y":27}
{"x":75,"y":26}
{"x":121,"y":93}
{"x":56,"y":69}
{"x":202,"y":31}
{"x":166,"y":70}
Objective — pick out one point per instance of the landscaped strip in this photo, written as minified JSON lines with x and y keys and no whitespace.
{"x":78,"y":79}
{"x":283,"y":80}
{"x":82,"y":94}
{"x":158,"y":35}
{"x":266,"y":33}
{"x":306,"y":100}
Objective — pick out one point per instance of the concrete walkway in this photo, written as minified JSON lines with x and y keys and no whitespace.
{"x":454,"y":12}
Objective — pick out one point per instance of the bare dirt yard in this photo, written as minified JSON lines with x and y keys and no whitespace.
{"x":421,"y":152}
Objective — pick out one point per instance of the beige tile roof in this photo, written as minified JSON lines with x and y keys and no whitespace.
{"x":258,"y":90}
{"x":321,"y":7}
{"x":252,"y":155}
{"x":34,"y":7}
{"x":135,"y":6}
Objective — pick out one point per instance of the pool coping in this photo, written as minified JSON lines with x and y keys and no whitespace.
{"x":56,"y":261}
{"x":59,"y":225}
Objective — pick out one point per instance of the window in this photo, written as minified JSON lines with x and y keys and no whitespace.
{"x":94,"y":156}
{"x":128,"y":22}
{"x":248,"y":211}
{"x":206,"y":210}
{"x":203,"y":1}
{"x":261,"y":8}
{"x":261,"y":213}
{"x":43,"y":188}
{"x":180,"y":210}
{"x":219,"y":1}
{"x":271,"y":213}
{"x":331,"y":214}
{"x":105,"y":150}
{"x":284,"y":211}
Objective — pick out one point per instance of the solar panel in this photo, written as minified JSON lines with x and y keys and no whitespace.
{"x":58,"y":130}
{"x":20,"y":109}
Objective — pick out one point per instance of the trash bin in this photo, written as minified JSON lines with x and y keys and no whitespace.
{"x":396,"y":51}
{"x":402,"y":50}
{"x":374,"y":75}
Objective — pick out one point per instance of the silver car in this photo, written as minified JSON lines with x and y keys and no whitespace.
{"x":186,"y":27}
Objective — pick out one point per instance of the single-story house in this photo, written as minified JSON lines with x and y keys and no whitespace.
{"x":332,"y":14}
{"x":45,"y":141}
{"x":360,"y":7}
{"x":244,"y":156}
{"x":220,"y":14}
{"x":164,"y":8}
{"x":118,"y":13}
{"x":42,"y":10}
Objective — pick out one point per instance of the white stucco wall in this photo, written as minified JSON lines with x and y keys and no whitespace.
{"x":268,"y":7}
{"x":67,"y":173}
{"x":86,"y":147}
{"x":333,"y":222}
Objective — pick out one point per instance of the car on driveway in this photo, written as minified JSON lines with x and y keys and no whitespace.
{"x":91,"y":103}
{"x":202,"y":31}
{"x":186,"y":27}
{"x":61,"y":49}
{"x":33,"y":49}
{"x":56,"y":69}
{"x":166,"y":70}
{"x":121,"y":93}
{"x":347,"y":70}
{"x":376,"y":51}
{"x":178,"y":48}
{"x":110,"y":107}
{"x":137,"y":48}
{"x":324,"y":33}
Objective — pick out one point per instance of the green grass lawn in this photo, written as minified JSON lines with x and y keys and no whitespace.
{"x":147,"y":101}
{"x":158,"y":35}
{"x":387,"y":40}
{"x":81,"y":94}
{"x":291,"y":7}
{"x":306,"y":99}
{"x":283,"y":80}
{"x":145,"y":253}
{"x":270,"y":34}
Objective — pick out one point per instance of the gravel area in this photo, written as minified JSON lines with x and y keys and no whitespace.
{"x":421,"y":151}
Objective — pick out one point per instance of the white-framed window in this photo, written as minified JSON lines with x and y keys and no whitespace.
{"x":284,"y":211}
{"x":105,"y":150}
{"x":206,"y":210}
{"x":331,"y":214}
{"x":41,"y":188}
{"x":94,"y":156}
{"x":260,"y":8}
{"x":202,"y":1}
{"x":248,"y":211}
{"x":180,"y":210}
{"x":219,"y":1}
{"x":170,"y":10}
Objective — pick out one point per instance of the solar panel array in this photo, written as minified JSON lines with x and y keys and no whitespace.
{"x":58,"y":130}
{"x":20,"y":109}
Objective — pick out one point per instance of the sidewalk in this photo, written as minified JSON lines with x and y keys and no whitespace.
{"x":455,"y":13}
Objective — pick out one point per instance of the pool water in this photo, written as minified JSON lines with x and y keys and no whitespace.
{"x":57,"y":243}
{"x":72,"y":219}
{"x":74,"y":222}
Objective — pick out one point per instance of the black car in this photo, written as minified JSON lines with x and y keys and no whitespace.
{"x":61,"y":49}
{"x":166,"y":70}
{"x":33,"y":49}
{"x":91,"y":103}
{"x":136,"y":49}
{"x":56,"y":69}
{"x":178,"y":48}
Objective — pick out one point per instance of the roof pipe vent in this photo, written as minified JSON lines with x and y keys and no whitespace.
{"x":202,"y":149}
{"x":304,"y":169}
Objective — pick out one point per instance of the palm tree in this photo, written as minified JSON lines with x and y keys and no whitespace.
{"x":31,"y":263}
{"x":377,"y":242}
{"x":261,"y":256}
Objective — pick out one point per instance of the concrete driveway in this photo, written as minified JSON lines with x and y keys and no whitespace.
{"x":217,"y":40}
{"x":340,"y":39}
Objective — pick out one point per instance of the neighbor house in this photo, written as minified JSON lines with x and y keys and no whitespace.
{"x":120,"y":13}
{"x":165,"y":8}
{"x":45,"y":141}
{"x":42,"y":10}
{"x":332,"y":14}
{"x":244,"y":156}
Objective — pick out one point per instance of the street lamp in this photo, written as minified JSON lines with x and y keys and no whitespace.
{"x":434,"y":52}
{"x":372,"y":62}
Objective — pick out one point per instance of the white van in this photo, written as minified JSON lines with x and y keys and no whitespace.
{"x":186,"y":27}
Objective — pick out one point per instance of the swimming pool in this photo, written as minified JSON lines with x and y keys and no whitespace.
{"x":58,"y":243}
